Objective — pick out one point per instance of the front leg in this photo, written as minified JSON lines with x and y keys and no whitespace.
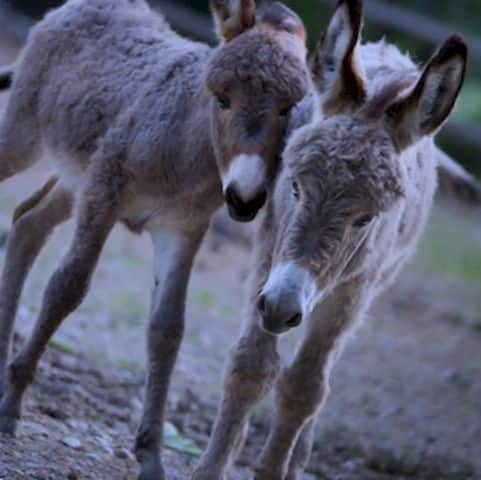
{"x":302,"y":451}
{"x":303,"y":386}
{"x":99,"y":205}
{"x":174,"y":255}
{"x":250,"y":374}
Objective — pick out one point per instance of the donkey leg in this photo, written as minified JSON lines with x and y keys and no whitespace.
{"x":174,"y":255}
{"x":238,"y":446}
{"x":299,"y":393}
{"x":250,"y":374}
{"x":68,"y":285}
{"x":34,"y":220}
{"x":302,"y":451}
{"x":302,"y":387}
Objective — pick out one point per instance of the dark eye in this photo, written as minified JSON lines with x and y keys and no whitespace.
{"x":295,"y":190}
{"x":223,"y":101}
{"x":363,"y":221}
{"x":284,"y":112}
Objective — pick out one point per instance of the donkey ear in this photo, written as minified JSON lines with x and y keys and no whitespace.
{"x":430,"y":102}
{"x":282,"y":18}
{"x":232,"y":17}
{"x":335,"y":65}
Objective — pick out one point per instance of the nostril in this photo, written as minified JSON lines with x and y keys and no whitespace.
{"x":232,"y":197}
{"x":260,"y":200}
{"x":294,"y":321}
{"x":239,"y":208}
{"x":261,"y":304}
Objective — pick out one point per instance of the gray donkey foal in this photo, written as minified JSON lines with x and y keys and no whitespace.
{"x":147,"y":128}
{"x":352,"y":199}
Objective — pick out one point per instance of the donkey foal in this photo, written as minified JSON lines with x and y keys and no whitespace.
{"x":146,"y":128}
{"x":351,"y":201}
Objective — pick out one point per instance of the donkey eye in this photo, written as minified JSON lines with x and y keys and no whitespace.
{"x":223,"y":101}
{"x":363,"y":221}
{"x":284,"y":112}
{"x":295,"y":190}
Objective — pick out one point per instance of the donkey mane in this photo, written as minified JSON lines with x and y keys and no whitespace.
{"x":383,"y":62}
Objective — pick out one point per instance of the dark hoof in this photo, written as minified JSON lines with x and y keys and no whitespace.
{"x":151,"y":471}
{"x":203,"y":475}
{"x":8,"y":426}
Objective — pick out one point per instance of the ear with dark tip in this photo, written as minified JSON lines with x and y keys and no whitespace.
{"x":233,"y":17}
{"x":282,"y":18}
{"x":428,"y":105}
{"x":335,"y":65}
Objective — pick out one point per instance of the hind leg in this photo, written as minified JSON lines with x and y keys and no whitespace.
{"x":97,"y":214}
{"x":19,"y":132}
{"x":34,"y":221}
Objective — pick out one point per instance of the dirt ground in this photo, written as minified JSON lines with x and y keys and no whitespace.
{"x":406,"y":393}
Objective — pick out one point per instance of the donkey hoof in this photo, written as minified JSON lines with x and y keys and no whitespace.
{"x":269,"y":476}
{"x":203,"y":475}
{"x":8,"y":426}
{"x":151,"y":471}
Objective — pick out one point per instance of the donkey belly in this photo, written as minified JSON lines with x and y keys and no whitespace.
{"x":179,"y":212}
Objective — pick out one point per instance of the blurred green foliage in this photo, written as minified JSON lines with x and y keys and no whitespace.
{"x":463,"y":15}
{"x":469,"y":105}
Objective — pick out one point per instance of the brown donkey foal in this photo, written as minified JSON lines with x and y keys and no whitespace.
{"x":351,"y":201}
{"x":147,"y":128}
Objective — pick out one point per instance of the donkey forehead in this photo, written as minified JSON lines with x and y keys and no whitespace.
{"x":337,"y":142}
{"x":257,"y":61}
{"x":357,"y":160}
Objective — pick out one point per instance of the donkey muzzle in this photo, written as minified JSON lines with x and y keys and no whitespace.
{"x":279,"y":303}
{"x":245,"y":187}
{"x":279,"y":315}
{"x":241,"y":210}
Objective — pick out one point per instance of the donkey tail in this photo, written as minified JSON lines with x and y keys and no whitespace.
{"x":6,"y":77}
{"x":456,"y":181}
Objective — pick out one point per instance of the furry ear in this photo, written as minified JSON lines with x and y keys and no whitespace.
{"x":282,"y":18}
{"x":428,"y":105}
{"x":335,"y":65}
{"x":232,"y":17}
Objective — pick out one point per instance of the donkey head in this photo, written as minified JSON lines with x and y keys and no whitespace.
{"x":344,"y":174}
{"x":256,"y":76}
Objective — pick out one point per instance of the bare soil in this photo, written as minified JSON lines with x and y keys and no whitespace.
{"x":406,"y":394}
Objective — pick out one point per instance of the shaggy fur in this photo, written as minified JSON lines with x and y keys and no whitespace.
{"x":121,"y":105}
{"x":351,"y":201}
